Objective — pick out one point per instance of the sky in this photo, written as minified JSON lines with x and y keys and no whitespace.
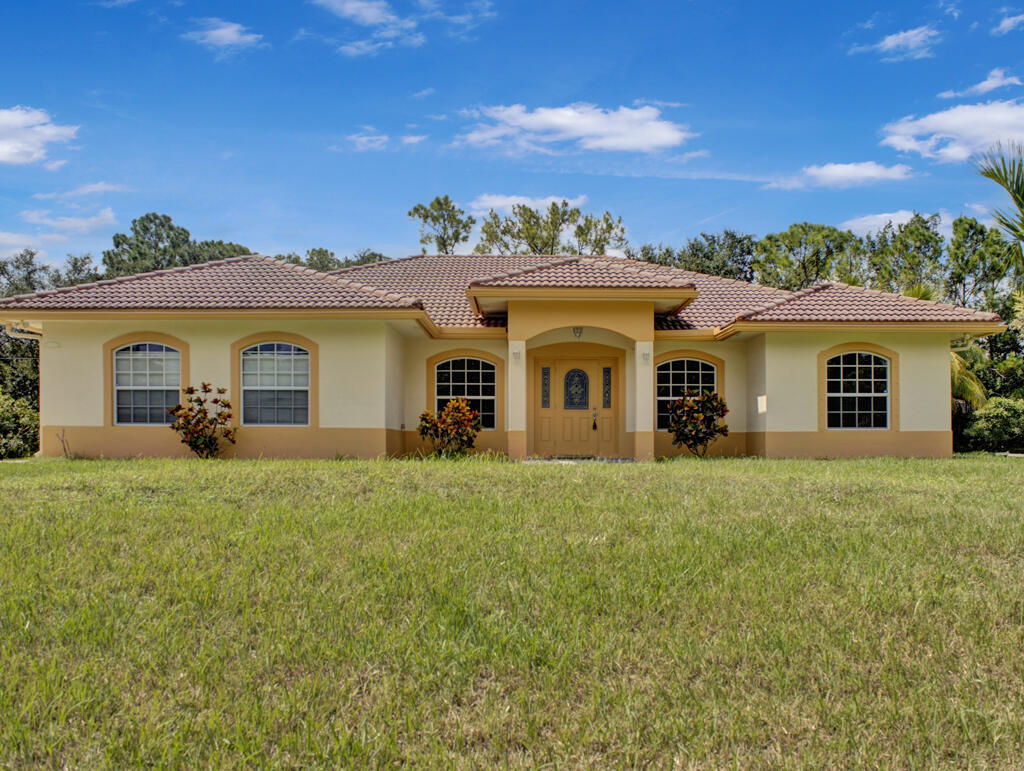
{"x":290,"y":125}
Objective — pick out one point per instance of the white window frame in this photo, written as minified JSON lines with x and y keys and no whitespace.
{"x":492,"y":367}
{"x":131,"y":387}
{"x":277,"y":385}
{"x":887,"y":394}
{"x":667,"y":363}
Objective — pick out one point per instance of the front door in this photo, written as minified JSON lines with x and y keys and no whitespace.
{"x":573,"y":412}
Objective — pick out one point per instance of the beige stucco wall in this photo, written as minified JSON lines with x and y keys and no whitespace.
{"x":353,"y":357}
{"x":737,"y":386}
{"x":791,"y":375}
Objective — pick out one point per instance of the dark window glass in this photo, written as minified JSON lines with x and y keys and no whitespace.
{"x":674,"y":378}
{"x":275,"y":385}
{"x":474,"y":380}
{"x":147,"y":383}
{"x":863,"y":381}
{"x":576,"y":391}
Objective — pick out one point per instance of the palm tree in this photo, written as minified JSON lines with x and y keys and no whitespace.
{"x":1004,"y":165}
{"x":964,"y":384}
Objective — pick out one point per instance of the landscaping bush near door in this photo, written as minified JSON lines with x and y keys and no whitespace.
{"x":998,"y":426}
{"x":452,"y":431}
{"x":19,"y":427}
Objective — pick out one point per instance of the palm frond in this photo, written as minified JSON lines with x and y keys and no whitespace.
{"x":964,"y":384}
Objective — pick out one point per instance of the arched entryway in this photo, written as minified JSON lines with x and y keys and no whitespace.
{"x":576,"y":401}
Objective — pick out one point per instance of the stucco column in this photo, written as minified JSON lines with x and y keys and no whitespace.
{"x":516,"y":399}
{"x":643,"y":403}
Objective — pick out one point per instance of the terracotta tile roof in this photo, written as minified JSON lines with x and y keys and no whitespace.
{"x":438,"y":285}
{"x":441,"y":281}
{"x":589,"y":272}
{"x":248,"y":282}
{"x":835,"y":301}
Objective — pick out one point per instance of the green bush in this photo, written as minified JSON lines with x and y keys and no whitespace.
{"x":19,"y":427}
{"x":999,"y":425}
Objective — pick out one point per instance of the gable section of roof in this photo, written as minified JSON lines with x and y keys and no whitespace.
{"x":587,"y":272}
{"x":834,"y":301}
{"x":246,"y":282}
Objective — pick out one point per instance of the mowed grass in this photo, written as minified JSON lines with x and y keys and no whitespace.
{"x":726,"y":612}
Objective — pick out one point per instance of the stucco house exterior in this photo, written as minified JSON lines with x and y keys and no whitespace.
{"x":562,"y":356}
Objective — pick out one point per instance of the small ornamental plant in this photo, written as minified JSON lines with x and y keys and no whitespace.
{"x":452,"y":431}
{"x":203,"y":421}
{"x":693,"y":421}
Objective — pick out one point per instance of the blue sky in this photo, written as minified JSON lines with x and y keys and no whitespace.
{"x":288,"y":125}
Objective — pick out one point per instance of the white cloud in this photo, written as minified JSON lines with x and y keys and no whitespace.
{"x":25,"y":133}
{"x":504,"y":203}
{"x":997,"y":78}
{"x":843,"y":175}
{"x":413,"y":139}
{"x":589,"y":127}
{"x":115,"y":3}
{"x":367,"y":139}
{"x":70,"y":224}
{"x":389,"y":29}
{"x":1008,"y":24}
{"x":53,"y":165}
{"x":910,"y":44}
{"x":424,"y":93}
{"x":438,"y":117}
{"x":225,"y":37}
{"x":872,"y":223}
{"x":949,"y":7}
{"x":957,"y":133}
{"x":686,"y":157}
{"x":90,"y":189}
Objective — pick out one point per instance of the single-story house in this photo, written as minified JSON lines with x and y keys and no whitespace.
{"x":561,"y":356}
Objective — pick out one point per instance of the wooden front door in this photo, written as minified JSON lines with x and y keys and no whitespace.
{"x":575,"y":407}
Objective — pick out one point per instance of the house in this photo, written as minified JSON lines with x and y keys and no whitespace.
{"x":567,"y":356}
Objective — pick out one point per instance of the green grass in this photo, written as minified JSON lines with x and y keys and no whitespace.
{"x":727,"y":612}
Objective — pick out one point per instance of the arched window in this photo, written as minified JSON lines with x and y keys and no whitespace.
{"x":275,"y":385}
{"x":677,"y":376}
{"x":147,"y":383}
{"x":576,"y":391}
{"x":857,"y":390}
{"x":475,"y":380}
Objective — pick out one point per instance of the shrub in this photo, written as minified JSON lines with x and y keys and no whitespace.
{"x":999,"y":425}
{"x":19,"y":427}
{"x":453,"y":430}
{"x":693,"y":421}
{"x":202,"y":421}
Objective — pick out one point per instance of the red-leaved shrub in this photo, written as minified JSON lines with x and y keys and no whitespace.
{"x":453,"y":430}
{"x":693,"y":421}
{"x":202,"y":421}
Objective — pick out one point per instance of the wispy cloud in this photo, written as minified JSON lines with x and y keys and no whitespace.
{"x":413,"y":139}
{"x":367,"y":140}
{"x":504,"y":203}
{"x":224,"y":37}
{"x":950,"y":8}
{"x":658,"y":103}
{"x":957,"y":133}
{"x":94,"y":188}
{"x":26,"y":133}
{"x":115,"y":3}
{"x":910,"y":44}
{"x":70,"y":224}
{"x":388,"y":29}
{"x":843,"y":175}
{"x":1008,"y":24}
{"x":424,"y":93}
{"x":581,"y":125}
{"x":997,"y":78}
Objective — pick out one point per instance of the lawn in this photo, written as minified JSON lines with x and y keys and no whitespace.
{"x":726,"y":612}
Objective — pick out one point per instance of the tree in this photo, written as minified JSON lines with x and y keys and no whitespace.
{"x":78,"y":269}
{"x":442,"y":224}
{"x":22,"y":273}
{"x":1004,"y":165}
{"x":559,"y":229}
{"x":365,"y":257}
{"x":323,"y":260}
{"x":976,"y":266}
{"x":908,"y":255}
{"x":801,"y":256}
{"x":19,"y":357}
{"x":156,"y":243}
{"x":728,"y":254}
